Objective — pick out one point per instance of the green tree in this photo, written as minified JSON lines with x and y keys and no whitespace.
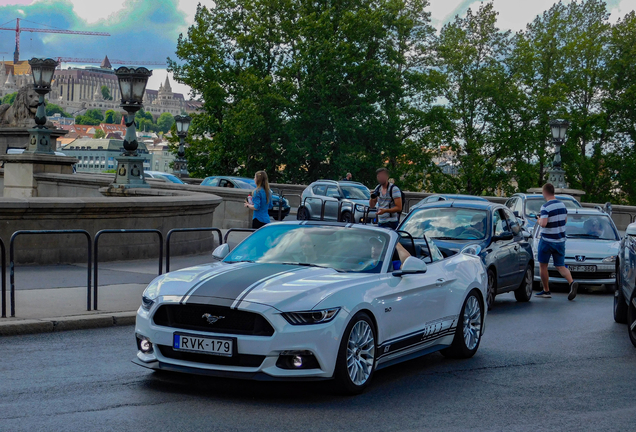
{"x":112,"y":117}
{"x":165,"y":122}
{"x":86,"y":120}
{"x":477,"y":89}
{"x":310,"y":89}
{"x":52,"y":109}
{"x":106,"y":93}
{"x":8,"y":99}
{"x":99,"y":133}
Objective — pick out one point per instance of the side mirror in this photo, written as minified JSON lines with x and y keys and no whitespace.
{"x":526,"y":234}
{"x":221,"y":252}
{"x":504,"y":236}
{"x":412,"y":265}
{"x":631,"y":230}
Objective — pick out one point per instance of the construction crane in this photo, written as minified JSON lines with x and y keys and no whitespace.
{"x":106,"y":62}
{"x":18,"y":30}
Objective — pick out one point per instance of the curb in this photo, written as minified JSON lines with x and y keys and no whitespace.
{"x":78,"y":322}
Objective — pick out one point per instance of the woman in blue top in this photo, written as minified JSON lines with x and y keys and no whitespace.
{"x":261,"y":200}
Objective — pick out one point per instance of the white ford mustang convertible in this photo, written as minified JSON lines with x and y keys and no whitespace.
{"x":314,"y":300}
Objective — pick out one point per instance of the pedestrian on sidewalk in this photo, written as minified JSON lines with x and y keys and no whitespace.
{"x":552,"y":220}
{"x":388,"y":198}
{"x":261,"y":200}
{"x":348,"y":177}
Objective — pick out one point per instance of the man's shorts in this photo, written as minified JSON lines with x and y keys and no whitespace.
{"x":556,"y":250}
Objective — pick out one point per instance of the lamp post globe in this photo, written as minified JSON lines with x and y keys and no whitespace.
{"x":556,"y":175}
{"x":132,"y":84}
{"x":183,"y":125}
{"x":42,"y":71}
{"x":130,"y":168}
{"x":559,"y":129}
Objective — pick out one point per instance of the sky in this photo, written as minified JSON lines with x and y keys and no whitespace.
{"x":147,"y":30}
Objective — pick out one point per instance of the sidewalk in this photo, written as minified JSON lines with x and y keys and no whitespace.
{"x":53,"y":298}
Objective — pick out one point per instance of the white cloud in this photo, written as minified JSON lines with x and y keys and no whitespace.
{"x":95,"y":10}
{"x":190,"y":8}
{"x":443,"y":10}
{"x":621,"y":9}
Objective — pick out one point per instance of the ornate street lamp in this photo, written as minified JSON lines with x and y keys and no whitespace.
{"x":42,"y":71}
{"x":183,"y":124}
{"x":130,"y":167}
{"x":556,"y":175}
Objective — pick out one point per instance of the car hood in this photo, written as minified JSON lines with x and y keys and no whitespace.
{"x":591,"y":248}
{"x":284,"y":287}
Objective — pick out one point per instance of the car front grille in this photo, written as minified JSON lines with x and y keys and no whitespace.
{"x":191,"y":317}
{"x":244,"y":360}
{"x":584,"y":275}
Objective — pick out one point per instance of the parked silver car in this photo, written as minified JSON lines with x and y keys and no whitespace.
{"x":625,"y":294}
{"x":590,"y":250}
{"x":351,"y":197}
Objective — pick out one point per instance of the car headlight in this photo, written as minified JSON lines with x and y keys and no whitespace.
{"x":150,"y":295}
{"x":286,"y":201}
{"x":610,"y":259}
{"x":359,"y":208}
{"x":311,"y":317}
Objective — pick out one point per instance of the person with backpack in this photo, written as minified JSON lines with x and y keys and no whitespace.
{"x":388,"y":198}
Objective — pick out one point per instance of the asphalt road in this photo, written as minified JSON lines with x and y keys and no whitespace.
{"x":546,"y":365}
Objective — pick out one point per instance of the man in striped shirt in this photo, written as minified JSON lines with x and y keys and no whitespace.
{"x":552,"y":221}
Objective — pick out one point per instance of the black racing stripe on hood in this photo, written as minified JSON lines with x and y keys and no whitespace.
{"x":232,"y":283}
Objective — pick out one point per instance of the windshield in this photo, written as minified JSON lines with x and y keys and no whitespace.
{"x":590,"y":226}
{"x":245,"y":183}
{"x":355,"y":192}
{"x":450,"y":223}
{"x":339,"y":248}
{"x":533,"y":205}
{"x":171,"y":178}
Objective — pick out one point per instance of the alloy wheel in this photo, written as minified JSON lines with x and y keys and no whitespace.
{"x":360,"y":353}
{"x":529,"y":280}
{"x":472,"y":322}
{"x":491,"y":289}
{"x":631,"y":322}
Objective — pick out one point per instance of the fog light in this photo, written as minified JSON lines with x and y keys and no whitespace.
{"x":297,"y":361}
{"x":144,"y":345}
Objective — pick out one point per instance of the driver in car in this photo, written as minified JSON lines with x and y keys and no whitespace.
{"x":375,"y":251}
{"x":594,"y":228}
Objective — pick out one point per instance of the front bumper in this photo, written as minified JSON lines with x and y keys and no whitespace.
{"x":604,"y":275}
{"x":323,"y":340}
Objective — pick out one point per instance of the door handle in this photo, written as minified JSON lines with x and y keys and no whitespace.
{"x":440,"y":282}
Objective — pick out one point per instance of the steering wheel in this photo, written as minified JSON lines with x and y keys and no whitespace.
{"x":474,"y":232}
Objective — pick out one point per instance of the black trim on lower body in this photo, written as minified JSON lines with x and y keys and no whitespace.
{"x":254,"y":376}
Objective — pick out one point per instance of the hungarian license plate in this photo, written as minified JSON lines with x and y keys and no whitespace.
{"x":275,"y":208}
{"x":582,"y":268}
{"x":204,"y":345}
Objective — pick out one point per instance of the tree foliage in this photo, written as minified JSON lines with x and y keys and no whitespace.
{"x":309,"y":90}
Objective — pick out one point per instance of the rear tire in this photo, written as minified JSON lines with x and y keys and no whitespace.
{"x":524,"y":292}
{"x":491,"y":293}
{"x":631,"y":318}
{"x":356,"y":359}
{"x":469,"y":329}
{"x":620,"y":305}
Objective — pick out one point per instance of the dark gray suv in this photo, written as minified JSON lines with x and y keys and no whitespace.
{"x":351,"y":197}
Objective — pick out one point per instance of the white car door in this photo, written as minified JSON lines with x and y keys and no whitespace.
{"x":410,"y":309}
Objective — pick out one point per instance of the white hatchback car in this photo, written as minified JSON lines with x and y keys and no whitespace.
{"x":313,"y":300}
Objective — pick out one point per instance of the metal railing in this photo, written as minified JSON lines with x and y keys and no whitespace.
{"x":12,"y":263}
{"x":169,"y":236}
{"x":121,"y":231}
{"x":4,"y":279}
{"x":231,"y":230}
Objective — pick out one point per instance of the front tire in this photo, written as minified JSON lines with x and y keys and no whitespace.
{"x":492,"y":289}
{"x":303,"y":214}
{"x":346,"y":217}
{"x":631,"y":318}
{"x":355,"y":363}
{"x":469,"y":329}
{"x":524,"y":292}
